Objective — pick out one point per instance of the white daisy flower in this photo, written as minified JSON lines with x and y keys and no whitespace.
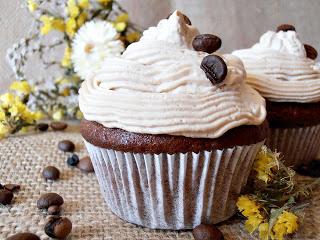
{"x":95,"y":41}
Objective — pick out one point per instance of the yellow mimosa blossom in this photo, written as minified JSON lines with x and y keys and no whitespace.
{"x":120,"y":27}
{"x":251,"y":210}
{"x":133,"y":37}
{"x":264,"y":231}
{"x":84,"y":4}
{"x":82,"y":19}
{"x":32,"y":5}
{"x":264,"y":162}
{"x":66,"y":92}
{"x":58,"y":114}
{"x":79,"y":114}
{"x":51,"y":23}
{"x":72,"y":9}
{"x":124,"y":17}
{"x":4,"y":130}
{"x":104,"y":2}
{"x":7,"y":99}
{"x":2,"y":114}
{"x":66,"y":60}
{"x":287,"y":223}
{"x":21,"y":87}
{"x":71,"y":27}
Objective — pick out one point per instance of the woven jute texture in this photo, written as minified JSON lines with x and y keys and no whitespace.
{"x":22,"y":159}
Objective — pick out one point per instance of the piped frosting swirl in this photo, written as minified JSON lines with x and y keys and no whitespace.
{"x":278,"y":68}
{"x":158,"y":87}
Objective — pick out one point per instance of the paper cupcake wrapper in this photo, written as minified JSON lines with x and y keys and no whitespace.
{"x":178,"y":191}
{"x":296,"y":145}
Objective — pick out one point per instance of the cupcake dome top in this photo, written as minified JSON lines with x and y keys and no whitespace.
{"x":159,"y":86}
{"x":282,"y":68}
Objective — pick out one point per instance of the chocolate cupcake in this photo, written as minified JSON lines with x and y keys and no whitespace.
{"x":172,"y":132}
{"x":284,"y":71}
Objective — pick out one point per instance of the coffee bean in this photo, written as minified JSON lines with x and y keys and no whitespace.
{"x":12,"y":187}
{"x":58,"y":227}
{"x":206,"y":43}
{"x":311,"y":52}
{"x":207,"y":232}
{"x":185,"y":18}
{"x":285,"y":28}
{"x":49,"y":199}
{"x":85,"y":164}
{"x":73,"y":160}
{"x":5,"y":197}
{"x":58,"y":126}
{"x":24,"y":236}
{"x":51,"y":173}
{"x":42,"y":127}
{"x":215,"y":68}
{"x":66,"y":146}
{"x":54,"y":210}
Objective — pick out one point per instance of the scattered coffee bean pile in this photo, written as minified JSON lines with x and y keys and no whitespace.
{"x":207,"y":232}
{"x":6,"y":193}
{"x":55,"y":126}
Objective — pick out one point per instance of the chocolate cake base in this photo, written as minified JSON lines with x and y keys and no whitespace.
{"x":121,"y":140}
{"x":292,"y":115}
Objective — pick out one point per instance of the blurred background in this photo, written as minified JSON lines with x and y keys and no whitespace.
{"x":238,"y":22}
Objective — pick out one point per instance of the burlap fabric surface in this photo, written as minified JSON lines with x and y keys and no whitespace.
{"x":22,"y":159}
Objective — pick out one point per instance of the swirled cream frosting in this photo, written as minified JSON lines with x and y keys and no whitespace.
{"x":158,"y":87}
{"x":278,"y":68}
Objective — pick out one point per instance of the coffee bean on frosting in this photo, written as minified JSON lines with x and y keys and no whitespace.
{"x":206,"y":43}
{"x":285,"y":28}
{"x":58,"y":227}
{"x":49,"y":199}
{"x":215,"y":68}
{"x":311,"y":52}
{"x":51,"y":173}
{"x":207,"y":232}
{"x":24,"y":236}
{"x":66,"y":146}
{"x":5,"y":197}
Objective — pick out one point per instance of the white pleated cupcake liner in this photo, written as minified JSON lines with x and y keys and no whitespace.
{"x":296,"y":145}
{"x":173,"y":191}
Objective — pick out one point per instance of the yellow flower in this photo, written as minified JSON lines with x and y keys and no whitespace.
{"x":84,"y":4}
{"x":104,"y":2}
{"x":51,"y":23}
{"x":264,"y":162}
{"x":58,"y":114}
{"x":133,"y":37}
{"x":264,"y":231}
{"x":251,"y":210}
{"x":32,"y":5}
{"x":66,"y":60}
{"x":124,"y":17}
{"x":7,"y":99}
{"x":66,"y":92}
{"x":72,"y":9}
{"x":71,"y":27}
{"x":4,"y":130}
{"x":21,"y":87}
{"x":79,"y":114}
{"x":2,"y":114}
{"x":82,"y":19}
{"x":120,"y":27}
{"x":287,"y":223}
